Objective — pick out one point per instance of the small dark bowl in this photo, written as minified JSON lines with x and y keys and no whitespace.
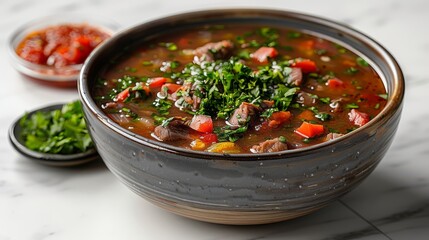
{"x":58,"y":160}
{"x":243,"y":188}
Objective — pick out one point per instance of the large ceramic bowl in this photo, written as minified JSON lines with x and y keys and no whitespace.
{"x":244,"y":188}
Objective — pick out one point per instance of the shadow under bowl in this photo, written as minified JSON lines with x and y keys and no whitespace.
{"x":243,"y":188}
{"x":58,"y":160}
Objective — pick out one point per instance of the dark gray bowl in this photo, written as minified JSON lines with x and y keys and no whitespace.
{"x":58,"y":160}
{"x":243,"y":188}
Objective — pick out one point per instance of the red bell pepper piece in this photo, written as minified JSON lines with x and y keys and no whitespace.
{"x":122,"y":96}
{"x":202,"y":123}
{"x":306,"y":65}
{"x":335,"y":83}
{"x":157,"y":82}
{"x":309,"y":130}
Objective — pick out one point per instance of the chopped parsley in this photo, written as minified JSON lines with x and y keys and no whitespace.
{"x":325,"y":100}
{"x":61,"y":131}
{"x":361,"y":62}
{"x":224,"y":85}
{"x":352,"y":105}
{"x":169,"y":45}
{"x":294,"y":35}
{"x":226,"y":134}
{"x":147,"y":63}
{"x":352,"y":70}
{"x":323,"y":116}
{"x":131,"y":69}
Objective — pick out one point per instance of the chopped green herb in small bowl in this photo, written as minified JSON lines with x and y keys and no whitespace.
{"x":54,"y":135}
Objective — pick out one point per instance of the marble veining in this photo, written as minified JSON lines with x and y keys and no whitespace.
{"x":39,"y":202}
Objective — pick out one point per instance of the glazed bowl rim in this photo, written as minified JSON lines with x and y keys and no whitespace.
{"x":395,"y":97}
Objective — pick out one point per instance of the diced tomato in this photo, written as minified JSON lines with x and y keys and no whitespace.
{"x":78,"y":51}
{"x":83,"y":41}
{"x":171,"y":87}
{"x":358,"y":118}
{"x":122,"y":96}
{"x":183,"y":42}
{"x":349,"y":63}
{"x":157,"y":82}
{"x":209,"y":138}
{"x":306,"y":45}
{"x":33,"y":55}
{"x":76,"y":55}
{"x":262,"y":54}
{"x":309,"y":130}
{"x":335,"y":83}
{"x":306,"y":65}
{"x":279,"y":118}
{"x":202,"y":123}
{"x":146,"y":89}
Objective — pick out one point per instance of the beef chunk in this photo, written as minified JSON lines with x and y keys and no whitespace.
{"x":305,"y":99}
{"x":336,"y":105}
{"x":272,"y":145}
{"x":244,"y":113}
{"x":295,"y":77}
{"x":177,"y":129}
{"x":332,"y":136}
{"x":213,"y":51}
{"x":265,"y":104}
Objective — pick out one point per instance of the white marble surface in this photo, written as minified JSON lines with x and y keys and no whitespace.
{"x":39,"y":202}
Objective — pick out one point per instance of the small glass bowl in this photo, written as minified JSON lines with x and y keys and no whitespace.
{"x":49,"y":75}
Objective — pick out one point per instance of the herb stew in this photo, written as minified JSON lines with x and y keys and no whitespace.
{"x":238,"y":89}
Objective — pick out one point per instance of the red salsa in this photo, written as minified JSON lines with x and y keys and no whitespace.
{"x":61,"y":45}
{"x":241,"y":89}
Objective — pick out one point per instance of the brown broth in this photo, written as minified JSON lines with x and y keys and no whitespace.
{"x":362,"y":86}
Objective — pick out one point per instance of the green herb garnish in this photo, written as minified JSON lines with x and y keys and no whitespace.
{"x":294,"y":35}
{"x":352,"y":105}
{"x":361,"y":62}
{"x":352,"y":70}
{"x":147,"y":63}
{"x":325,"y":100}
{"x":169,"y":45}
{"x":229,"y":135}
{"x":59,"y":131}
{"x":323,"y":116}
{"x":384,"y":96}
{"x":224,"y":85}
